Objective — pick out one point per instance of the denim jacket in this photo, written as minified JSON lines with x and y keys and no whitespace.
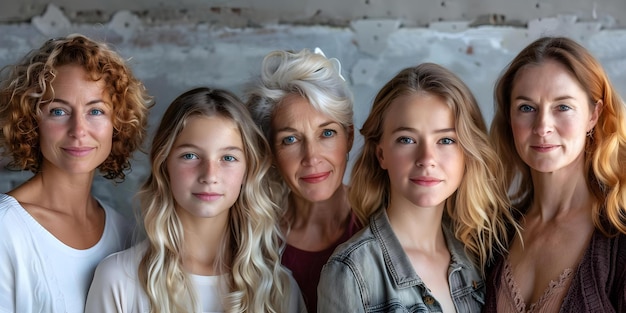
{"x":371,"y":273}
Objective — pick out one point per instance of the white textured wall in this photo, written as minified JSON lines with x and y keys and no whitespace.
{"x":171,"y":58}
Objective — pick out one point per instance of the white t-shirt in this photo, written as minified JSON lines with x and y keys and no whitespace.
{"x":116,"y":287}
{"x":39,"y":273}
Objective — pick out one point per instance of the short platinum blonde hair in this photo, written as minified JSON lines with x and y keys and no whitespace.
{"x":309,"y":74}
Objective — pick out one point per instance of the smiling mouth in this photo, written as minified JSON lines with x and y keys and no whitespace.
{"x":544,"y":148}
{"x":204,"y":196}
{"x":315,"y":178}
{"x":428,"y":182}
{"x":78,"y":152}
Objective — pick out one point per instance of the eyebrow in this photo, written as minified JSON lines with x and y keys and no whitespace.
{"x":437,"y":131}
{"x":291,"y":129}
{"x":92,"y":102}
{"x":560,"y":98}
{"x":189,"y":145}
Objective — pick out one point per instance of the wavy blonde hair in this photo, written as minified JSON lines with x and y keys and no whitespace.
{"x":605,"y":150}
{"x":28,"y":85}
{"x":256,"y":280}
{"x":308,"y":74}
{"x":479,"y":209}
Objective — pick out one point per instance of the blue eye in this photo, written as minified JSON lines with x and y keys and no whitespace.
{"x":289,"y":140}
{"x":57,"y":112}
{"x":96,"y":112}
{"x":229,"y":158}
{"x":189,"y":156}
{"x":526,"y":108}
{"x":563,"y":107}
{"x":328,"y":133}
{"x":447,"y":141}
{"x":406,"y":140}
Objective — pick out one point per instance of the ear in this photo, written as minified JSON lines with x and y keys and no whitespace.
{"x":380,"y":157}
{"x":595,"y":115}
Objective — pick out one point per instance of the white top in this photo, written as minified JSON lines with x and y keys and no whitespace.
{"x":39,"y":273}
{"x":116,"y":287}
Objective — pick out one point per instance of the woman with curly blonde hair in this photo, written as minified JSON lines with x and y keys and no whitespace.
{"x":431,"y":185}
{"x":212,"y":240}
{"x":68,"y":109}
{"x":561,"y":127}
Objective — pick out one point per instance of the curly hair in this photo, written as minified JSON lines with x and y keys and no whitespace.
{"x":605,"y":149}
{"x":257,"y":282}
{"x":479,"y":208}
{"x":308,"y":74}
{"x":28,"y":84}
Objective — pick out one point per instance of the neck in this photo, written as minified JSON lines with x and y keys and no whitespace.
{"x":560,"y":193}
{"x":326,"y":215}
{"x":417,"y":227}
{"x":58,"y":191}
{"x":205,"y":244}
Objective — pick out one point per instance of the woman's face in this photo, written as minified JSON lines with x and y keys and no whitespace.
{"x":420,"y":150}
{"x":550,"y":116}
{"x":310,"y":149}
{"x":75,"y":128}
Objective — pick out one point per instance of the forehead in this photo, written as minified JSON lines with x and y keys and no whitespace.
{"x":73,"y":81}
{"x":549,"y":78}
{"x":295,"y":109}
{"x":222,"y":131}
{"x":418,"y":108}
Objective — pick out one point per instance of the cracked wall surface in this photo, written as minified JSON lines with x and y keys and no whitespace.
{"x":174,"y":56}
{"x":243,"y":13}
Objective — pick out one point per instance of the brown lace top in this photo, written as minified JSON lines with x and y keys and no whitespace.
{"x":509,"y":298}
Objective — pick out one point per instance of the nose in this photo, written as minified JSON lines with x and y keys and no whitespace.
{"x":311,"y":153}
{"x":78,"y":126}
{"x":425,"y":156}
{"x":543,"y":125}
{"x":208,"y":173}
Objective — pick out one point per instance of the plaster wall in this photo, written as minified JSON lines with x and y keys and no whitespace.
{"x":173,"y":55}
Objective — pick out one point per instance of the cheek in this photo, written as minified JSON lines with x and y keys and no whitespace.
{"x":104,"y":129}
{"x":398,"y":162}
{"x":179,"y":175}
{"x":233,"y":178}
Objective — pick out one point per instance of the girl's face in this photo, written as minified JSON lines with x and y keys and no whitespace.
{"x":550,"y":116}
{"x":206,"y":167}
{"x":419,"y":149}
{"x":310,"y":149}
{"x":75,"y":128}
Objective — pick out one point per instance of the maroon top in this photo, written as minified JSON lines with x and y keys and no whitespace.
{"x":306,"y":266}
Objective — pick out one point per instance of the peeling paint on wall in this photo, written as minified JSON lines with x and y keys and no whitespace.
{"x":174,"y":57}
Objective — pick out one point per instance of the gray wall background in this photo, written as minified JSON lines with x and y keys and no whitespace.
{"x":177,"y":45}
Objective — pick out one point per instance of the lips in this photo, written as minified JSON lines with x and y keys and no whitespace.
{"x":78,"y":151}
{"x":544,"y":148}
{"x":426,"y":181}
{"x":207,"y":196}
{"x":315,"y":178}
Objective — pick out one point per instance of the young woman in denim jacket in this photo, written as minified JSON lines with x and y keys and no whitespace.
{"x":430,"y":183}
{"x":561,"y":126}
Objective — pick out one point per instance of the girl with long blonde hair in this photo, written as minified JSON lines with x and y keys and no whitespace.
{"x":212,"y":241}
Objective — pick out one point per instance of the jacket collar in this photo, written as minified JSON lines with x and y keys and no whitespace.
{"x":396,"y":260}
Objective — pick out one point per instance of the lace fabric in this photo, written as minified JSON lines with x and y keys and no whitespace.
{"x":510,"y":299}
